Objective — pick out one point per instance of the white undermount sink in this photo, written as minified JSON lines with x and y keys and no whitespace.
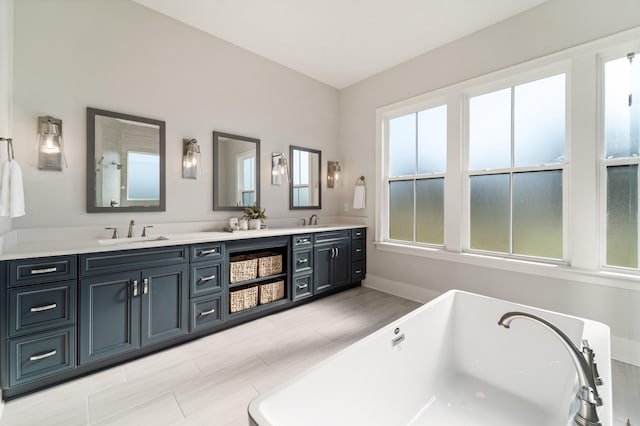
{"x":118,"y":241}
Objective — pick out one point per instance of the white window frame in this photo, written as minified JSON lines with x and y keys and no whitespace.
{"x":383,"y":213}
{"x":586,"y":218}
{"x":603,"y":162}
{"x":511,"y":83}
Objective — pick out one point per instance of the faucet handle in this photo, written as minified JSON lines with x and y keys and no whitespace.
{"x":115,"y":232}
{"x":144,"y":230}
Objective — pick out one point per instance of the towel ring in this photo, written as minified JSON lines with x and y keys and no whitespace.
{"x":360,"y":181}
{"x":9,"y":141}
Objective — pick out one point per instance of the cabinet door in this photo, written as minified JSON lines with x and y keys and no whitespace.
{"x":342,"y":263}
{"x":322,"y":258}
{"x":165,"y":303}
{"x":109,"y":315}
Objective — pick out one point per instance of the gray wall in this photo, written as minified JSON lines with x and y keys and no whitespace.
{"x":120,"y":56}
{"x":551,"y":27}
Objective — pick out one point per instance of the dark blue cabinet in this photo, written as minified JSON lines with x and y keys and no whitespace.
{"x":109,"y":315}
{"x":332,"y":261}
{"x":123,"y":311}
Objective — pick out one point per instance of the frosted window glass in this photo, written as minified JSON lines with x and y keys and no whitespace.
{"x":489,"y":212}
{"x":617,"y":84}
{"x":401,"y":210}
{"x":539,"y":122}
{"x":402,"y":145}
{"x":490,"y":130}
{"x":432,"y":140}
{"x":430,"y":211}
{"x":622,"y":216}
{"x":537,"y":214}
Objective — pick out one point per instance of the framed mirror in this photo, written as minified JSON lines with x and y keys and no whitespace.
{"x":305,"y":189}
{"x":236,"y":171}
{"x":125,"y":163}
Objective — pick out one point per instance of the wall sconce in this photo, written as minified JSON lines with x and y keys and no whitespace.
{"x":333,"y":173}
{"x":191,"y":159}
{"x":279,"y":168}
{"x":50,"y":152}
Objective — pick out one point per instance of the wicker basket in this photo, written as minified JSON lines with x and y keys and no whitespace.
{"x":242,"y":268}
{"x":271,"y":292}
{"x":240,"y":300}
{"x":269,"y":264}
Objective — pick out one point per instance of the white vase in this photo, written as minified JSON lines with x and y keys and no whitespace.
{"x":255,"y":223}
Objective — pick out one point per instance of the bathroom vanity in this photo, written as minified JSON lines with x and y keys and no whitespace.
{"x":84,"y":306}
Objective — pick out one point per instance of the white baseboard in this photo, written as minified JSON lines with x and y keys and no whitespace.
{"x":400,"y":289}
{"x":1,"y":407}
{"x":624,"y":350}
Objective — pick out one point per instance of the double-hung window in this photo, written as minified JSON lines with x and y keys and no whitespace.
{"x":619,"y":168}
{"x":516,"y":169}
{"x":417,"y":146}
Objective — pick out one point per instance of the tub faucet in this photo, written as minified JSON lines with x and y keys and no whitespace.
{"x":131,"y":223}
{"x":311,"y":219}
{"x":588,"y":394}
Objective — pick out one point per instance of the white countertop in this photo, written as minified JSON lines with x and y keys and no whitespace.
{"x":58,"y":247}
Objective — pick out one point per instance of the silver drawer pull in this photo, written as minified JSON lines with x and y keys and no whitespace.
{"x":359,"y":271}
{"x":43,"y":271}
{"x":303,"y":241}
{"x":300,"y":287}
{"x":44,"y":308}
{"x":209,"y":312}
{"x":358,"y":250}
{"x":43,"y":356}
{"x":205,"y":279}
{"x":206,"y":252}
{"x":302,"y":261}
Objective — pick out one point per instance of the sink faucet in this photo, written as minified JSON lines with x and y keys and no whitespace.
{"x":311,"y":219}
{"x":131,"y":223}
{"x":588,"y":394}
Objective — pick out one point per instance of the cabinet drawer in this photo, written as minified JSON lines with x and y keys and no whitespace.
{"x":128,"y":260}
{"x":357,"y":249}
{"x":303,"y":240}
{"x":41,"y":307}
{"x":302,"y":287}
{"x":206,"y":312}
{"x":208,"y":251}
{"x":302,"y":261}
{"x":41,"y":270}
{"x":359,"y":233}
{"x":332,"y":236}
{"x":205,"y":279}
{"x":357,"y":271}
{"x":41,"y":355}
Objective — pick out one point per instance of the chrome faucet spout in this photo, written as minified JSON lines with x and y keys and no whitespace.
{"x":588,"y":394}
{"x":311,"y":219}
{"x":130,"y":233}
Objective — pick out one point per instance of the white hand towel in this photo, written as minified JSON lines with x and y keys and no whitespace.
{"x":5,"y":195}
{"x":17,"y":189}
{"x":359,"y":197}
{"x":11,"y":190}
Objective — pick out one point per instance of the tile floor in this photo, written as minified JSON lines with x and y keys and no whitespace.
{"x":210,"y":381}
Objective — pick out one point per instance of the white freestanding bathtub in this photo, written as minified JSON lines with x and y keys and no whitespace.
{"x":451,"y":364}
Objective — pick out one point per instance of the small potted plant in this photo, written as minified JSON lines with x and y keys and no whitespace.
{"x":255,"y":216}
